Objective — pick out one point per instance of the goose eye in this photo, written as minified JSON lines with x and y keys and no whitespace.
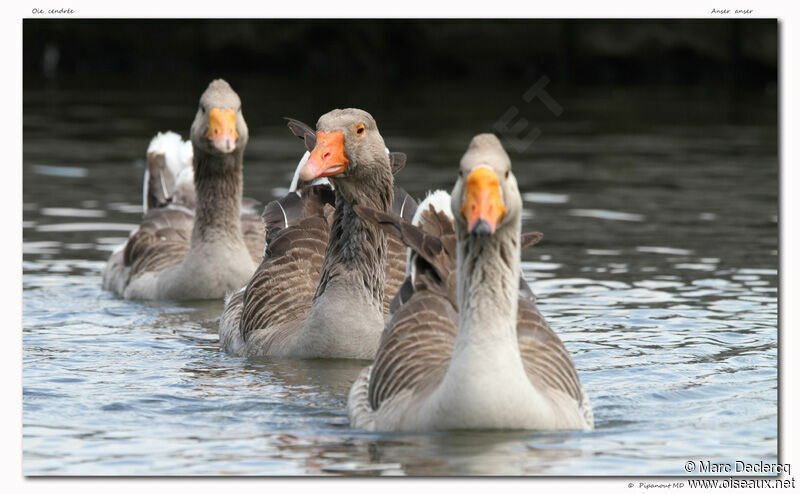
{"x":360,"y":128}
{"x":202,"y":109}
{"x":460,"y":173}
{"x":506,"y":173}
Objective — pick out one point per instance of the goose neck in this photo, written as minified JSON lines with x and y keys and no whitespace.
{"x":218,"y":185}
{"x":356,"y":247}
{"x":488,"y":284}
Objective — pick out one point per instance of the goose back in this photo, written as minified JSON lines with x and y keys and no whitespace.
{"x":277,"y":300}
{"x":280,"y":292}
{"x":163,"y":239}
{"x":418,"y":341}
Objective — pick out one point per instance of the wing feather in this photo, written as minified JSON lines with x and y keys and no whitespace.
{"x":418,"y":341}
{"x":416,"y":350}
{"x":277,"y":299}
{"x":283,"y":285}
{"x":161,"y":241}
{"x":547,"y":362}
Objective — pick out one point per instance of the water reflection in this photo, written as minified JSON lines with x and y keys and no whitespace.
{"x":477,"y":453}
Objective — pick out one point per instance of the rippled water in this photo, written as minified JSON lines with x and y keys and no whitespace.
{"x":658,"y":269}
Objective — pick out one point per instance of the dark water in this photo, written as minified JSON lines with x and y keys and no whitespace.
{"x":658,"y":269}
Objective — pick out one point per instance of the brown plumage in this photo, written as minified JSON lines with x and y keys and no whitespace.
{"x":199,"y":238}
{"x":427,"y":320}
{"x":313,"y":238}
{"x":164,"y":236}
{"x":453,"y":355}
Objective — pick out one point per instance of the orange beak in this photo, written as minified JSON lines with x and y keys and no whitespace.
{"x":222,"y":129}
{"x":483,"y":205}
{"x":327,"y":158}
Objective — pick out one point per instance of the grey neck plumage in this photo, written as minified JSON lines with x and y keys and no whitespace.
{"x":356,"y":246}
{"x":218,"y":185}
{"x":488,"y":286}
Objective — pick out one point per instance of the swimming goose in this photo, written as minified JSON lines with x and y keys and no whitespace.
{"x":321,"y":288}
{"x":289,"y":209}
{"x":465,"y":348}
{"x":198,"y":240}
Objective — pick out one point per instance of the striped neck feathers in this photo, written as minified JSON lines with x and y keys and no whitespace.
{"x":218,"y":184}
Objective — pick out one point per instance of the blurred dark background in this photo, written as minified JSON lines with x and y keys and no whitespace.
{"x":578,"y":52}
{"x":619,"y":71}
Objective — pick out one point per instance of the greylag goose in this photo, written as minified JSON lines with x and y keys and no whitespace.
{"x":465,"y":347}
{"x":327,"y":276}
{"x":198,"y":240}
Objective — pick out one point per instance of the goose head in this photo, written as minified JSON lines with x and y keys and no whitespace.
{"x":349,"y":151}
{"x":219,"y":127}
{"x":486,"y":197}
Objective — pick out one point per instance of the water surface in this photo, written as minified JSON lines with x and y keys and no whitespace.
{"x":658,"y":270}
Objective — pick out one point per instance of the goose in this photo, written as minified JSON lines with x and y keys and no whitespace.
{"x":327,"y":277}
{"x":198,"y":238}
{"x":466,"y":347}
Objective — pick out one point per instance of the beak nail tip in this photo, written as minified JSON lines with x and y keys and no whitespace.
{"x":481,"y":229}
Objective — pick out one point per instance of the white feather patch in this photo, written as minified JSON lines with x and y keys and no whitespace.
{"x":177,"y":156}
{"x":440,"y":200}
{"x":177,"y":152}
{"x":186,"y":175}
{"x":185,"y":154}
{"x":296,"y":176}
{"x":145,"y":186}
